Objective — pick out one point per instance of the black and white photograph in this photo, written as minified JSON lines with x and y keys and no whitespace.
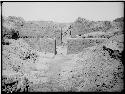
{"x":62,"y":47}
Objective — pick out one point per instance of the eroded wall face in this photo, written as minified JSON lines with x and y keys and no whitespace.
{"x":46,"y":45}
{"x":32,"y":41}
{"x":42,"y":44}
{"x":76,"y":45}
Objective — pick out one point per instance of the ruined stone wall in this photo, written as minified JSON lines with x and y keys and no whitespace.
{"x":42,"y":44}
{"x":46,"y":45}
{"x":76,"y":45}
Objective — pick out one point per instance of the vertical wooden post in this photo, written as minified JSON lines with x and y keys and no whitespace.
{"x":61,"y":35}
{"x":55,"y":52}
{"x":70,"y":33}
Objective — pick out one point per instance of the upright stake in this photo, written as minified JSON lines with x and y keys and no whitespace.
{"x":55,"y":52}
{"x":61,"y":36}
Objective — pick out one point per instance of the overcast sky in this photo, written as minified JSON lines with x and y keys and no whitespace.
{"x":63,"y":11}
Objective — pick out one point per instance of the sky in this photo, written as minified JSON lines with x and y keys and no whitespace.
{"x":63,"y":11}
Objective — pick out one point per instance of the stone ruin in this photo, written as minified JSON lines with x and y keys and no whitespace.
{"x":80,"y":73}
{"x":76,"y":45}
{"x":46,"y":45}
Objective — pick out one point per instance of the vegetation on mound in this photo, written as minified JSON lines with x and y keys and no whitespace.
{"x":49,"y":29}
{"x":18,"y":61}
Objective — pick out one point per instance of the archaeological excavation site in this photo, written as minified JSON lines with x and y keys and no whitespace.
{"x":47,"y":56}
